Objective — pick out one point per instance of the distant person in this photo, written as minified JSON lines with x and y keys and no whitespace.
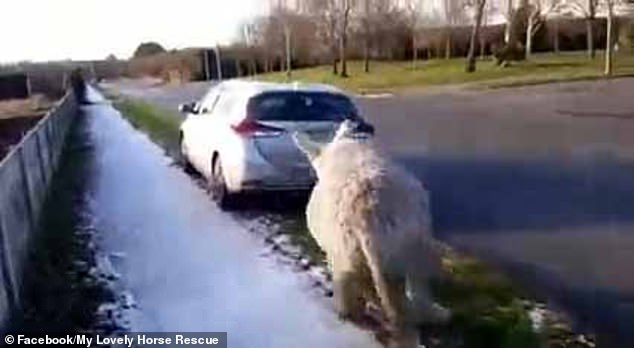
{"x":78,"y":84}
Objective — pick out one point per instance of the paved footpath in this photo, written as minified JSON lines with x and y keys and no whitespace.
{"x":188,"y":266}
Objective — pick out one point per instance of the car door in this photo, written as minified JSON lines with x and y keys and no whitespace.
{"x":216,"y":130}
{"x":199,"y":129}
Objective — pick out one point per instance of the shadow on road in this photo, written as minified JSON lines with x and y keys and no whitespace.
{"x":605,"y":311}
{"x":505,"y":210}
{"x":472,"y":195}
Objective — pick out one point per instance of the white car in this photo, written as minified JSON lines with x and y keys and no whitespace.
{"x":239,"y":135}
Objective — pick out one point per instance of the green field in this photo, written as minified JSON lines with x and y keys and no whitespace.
{"x":389,"y":76}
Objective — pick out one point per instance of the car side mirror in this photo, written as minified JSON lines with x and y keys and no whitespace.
{"x":188,"y":108}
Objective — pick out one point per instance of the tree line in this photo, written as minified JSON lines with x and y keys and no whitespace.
{"x":309,"y":32}
{"x":302,"y":33}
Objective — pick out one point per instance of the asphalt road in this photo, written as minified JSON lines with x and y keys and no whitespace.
{"x":538,"y":179}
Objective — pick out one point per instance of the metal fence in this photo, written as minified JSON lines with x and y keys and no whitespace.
{"x":25,"y":175}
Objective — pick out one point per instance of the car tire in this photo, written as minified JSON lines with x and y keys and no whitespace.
{"x":183,"y":160}
{"x":218,"y":187}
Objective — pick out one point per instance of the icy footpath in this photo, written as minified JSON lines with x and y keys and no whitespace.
{"x":187,"y":266}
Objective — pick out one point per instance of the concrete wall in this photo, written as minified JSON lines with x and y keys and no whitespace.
{"x":25,"y":176}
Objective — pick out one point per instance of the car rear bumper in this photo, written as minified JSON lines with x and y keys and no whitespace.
{"x":255,"y":186}
{"x":251,"y":172}
{"x":253,"y":176}
{"x":265,"y":177}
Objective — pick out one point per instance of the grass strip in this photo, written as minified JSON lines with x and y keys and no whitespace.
{"x":390,"y":76}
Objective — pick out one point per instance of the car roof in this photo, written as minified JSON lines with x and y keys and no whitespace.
{"x":250,"y":88}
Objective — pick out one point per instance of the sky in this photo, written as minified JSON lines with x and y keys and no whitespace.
{"x":39,"y":30}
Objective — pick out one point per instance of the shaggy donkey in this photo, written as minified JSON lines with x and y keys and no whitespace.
{"x":372,"y":220}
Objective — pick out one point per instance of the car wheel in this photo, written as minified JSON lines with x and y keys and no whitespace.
{"x":182,"y":158}
{"x":219,"y":192}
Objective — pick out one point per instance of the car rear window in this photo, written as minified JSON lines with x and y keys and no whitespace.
{"x":301,"y":106}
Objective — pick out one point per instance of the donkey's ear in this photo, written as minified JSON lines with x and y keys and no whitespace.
{"x":310,"y":147}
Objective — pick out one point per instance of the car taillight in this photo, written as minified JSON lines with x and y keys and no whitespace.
{"x":251,"y":128}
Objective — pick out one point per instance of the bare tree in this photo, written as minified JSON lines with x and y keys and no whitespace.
{"x":475,"y":32}
{"x":534,"y":22}
{"x":556,"y":35}
{"x":326,"y":16}
{"x":384,"y":21}
{"x":249,"y":31}
{"x":345,"y":8}
{"x":282,"y":15}
{"x":609,"y":44}
{"x":332,"y":27}
{"x":258,"y":36}
{"x":454,"y":14}
{"x":287,"y":49}
{"x":508,"y":28}
{"x":485,"y":19}
{"x":366,"y":20}
{"x":448,"y":23}
{"x":590,"y":14}
{"x":537,"y":11}
{"x":414,"y":15}
{"x":588,"y":9}
{"x":269,"y":37}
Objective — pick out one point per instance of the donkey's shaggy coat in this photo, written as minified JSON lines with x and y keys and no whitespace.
{"x":372,"y":220}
